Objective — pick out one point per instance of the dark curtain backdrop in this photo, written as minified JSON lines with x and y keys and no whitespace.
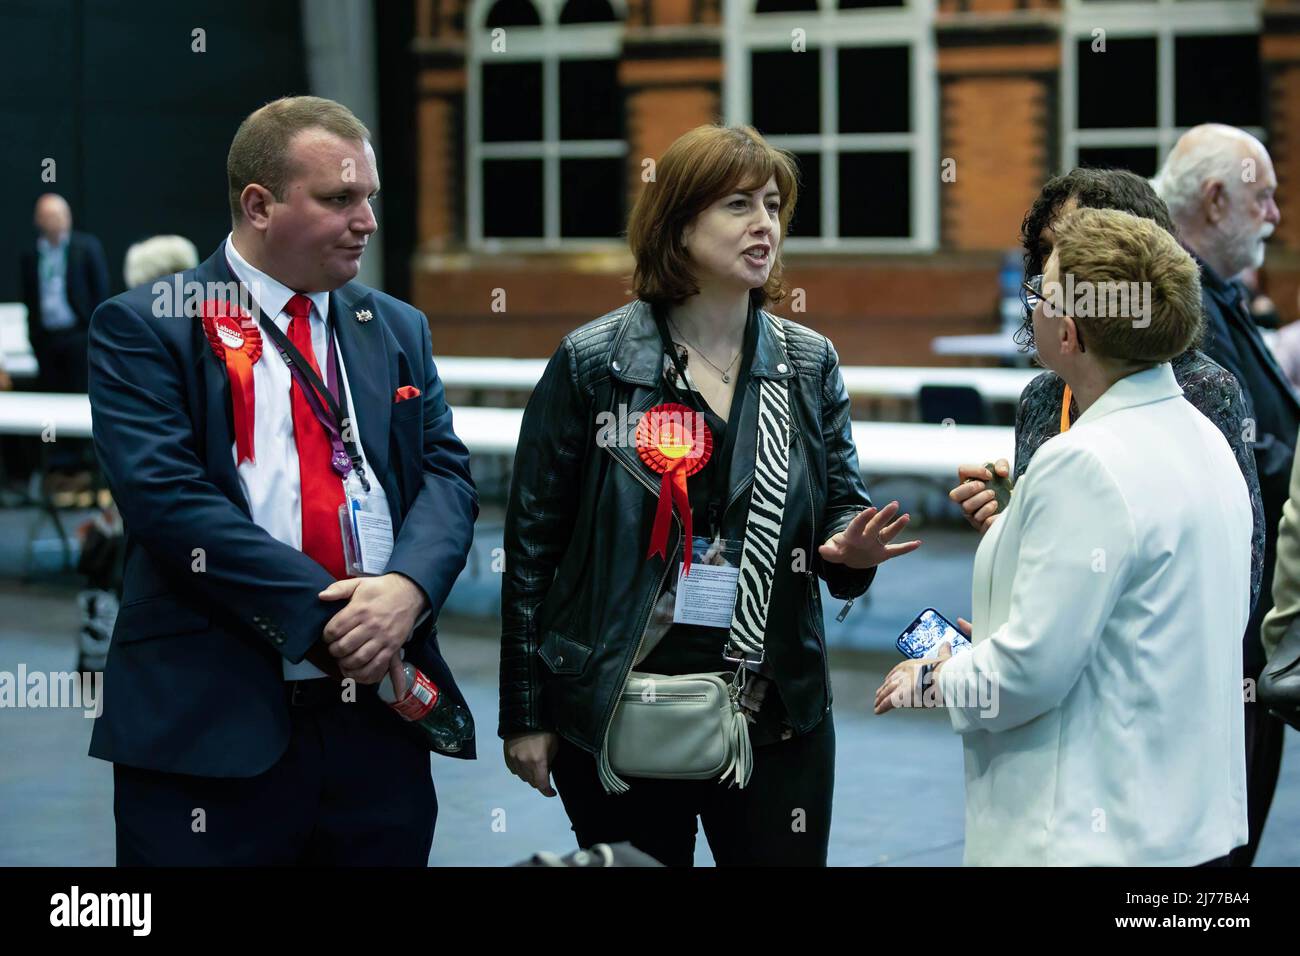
{"x":137,"y":123}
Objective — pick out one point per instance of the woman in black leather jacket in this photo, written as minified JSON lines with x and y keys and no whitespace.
{"x":589,"y":586}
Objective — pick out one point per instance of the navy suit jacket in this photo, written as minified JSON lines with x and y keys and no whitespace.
{"x":1233,"y":341}
{"x":212,"y":603}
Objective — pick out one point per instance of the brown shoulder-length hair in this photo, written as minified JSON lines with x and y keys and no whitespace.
{"x":699,"y":168}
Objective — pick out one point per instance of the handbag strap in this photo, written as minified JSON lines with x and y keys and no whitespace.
{"x":758,"y":554}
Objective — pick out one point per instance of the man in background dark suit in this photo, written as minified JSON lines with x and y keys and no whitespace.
{"x":1219,"y":184}
{"x":64,"y":279}
{"x":232,"y":737}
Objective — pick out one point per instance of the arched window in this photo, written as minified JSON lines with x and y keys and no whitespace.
{"x":513,"y":13}
{"x":588,"y":11}
{"x":784,"y":6}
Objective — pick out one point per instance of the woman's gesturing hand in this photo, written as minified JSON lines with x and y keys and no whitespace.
{"x":865,"y":543}
{"x":529,"y":757}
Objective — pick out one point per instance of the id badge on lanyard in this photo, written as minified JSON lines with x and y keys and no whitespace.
{"x":366,"y":528}
{"x":367,"y":531}
{"x":707,"y":596}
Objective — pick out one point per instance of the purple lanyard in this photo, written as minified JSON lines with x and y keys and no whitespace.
{"x":339,"y":459}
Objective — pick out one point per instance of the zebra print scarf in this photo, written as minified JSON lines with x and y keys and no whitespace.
{"x":758,"y":554}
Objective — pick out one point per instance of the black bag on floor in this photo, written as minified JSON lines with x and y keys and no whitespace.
{"x":1279,"y":683}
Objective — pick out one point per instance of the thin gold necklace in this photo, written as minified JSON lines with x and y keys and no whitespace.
{"x":700,"y":352}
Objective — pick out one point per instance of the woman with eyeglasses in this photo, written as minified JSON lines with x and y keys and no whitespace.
{"x":1100,"y":704}
{"x":1047,"y":406}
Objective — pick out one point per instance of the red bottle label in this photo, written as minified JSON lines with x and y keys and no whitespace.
{"x":421,"y":697}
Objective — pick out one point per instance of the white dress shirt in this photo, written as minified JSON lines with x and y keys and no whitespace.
{"x":270,"y":482}
{"x":1109,"y":605}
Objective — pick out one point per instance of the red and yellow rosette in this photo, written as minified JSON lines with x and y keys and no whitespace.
{"x":674,"y":441}
{"x":236,"y":341}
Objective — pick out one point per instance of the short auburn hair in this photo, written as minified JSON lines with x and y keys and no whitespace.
{"x":1109,"y":248}
{"x":259,"y":153}
{"x":698,"y":169}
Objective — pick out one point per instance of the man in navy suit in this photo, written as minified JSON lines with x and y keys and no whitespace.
{"x":64,"y":278}
{"x":240,"y":705}
{"x":1219,"y":184}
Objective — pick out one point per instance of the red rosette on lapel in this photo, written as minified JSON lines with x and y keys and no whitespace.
{"x":673,"y":441}
{"x":237,"y":342}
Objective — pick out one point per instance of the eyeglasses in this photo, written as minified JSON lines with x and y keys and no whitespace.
{"x":1031,"y":293}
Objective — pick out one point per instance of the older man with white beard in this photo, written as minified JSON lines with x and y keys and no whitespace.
{"x":1219,"y":184}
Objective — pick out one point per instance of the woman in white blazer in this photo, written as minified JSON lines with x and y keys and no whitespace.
{"x":1100,"y":705}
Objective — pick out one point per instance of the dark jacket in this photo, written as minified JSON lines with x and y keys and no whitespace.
{"x":578,"y":588}
{"x":86,"y":284}
{"x":194,"y":682}
{"x":1234,"y":342}
{"x":1212,"y":390}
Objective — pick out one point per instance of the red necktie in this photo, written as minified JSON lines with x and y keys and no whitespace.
{"x":322,"y":489}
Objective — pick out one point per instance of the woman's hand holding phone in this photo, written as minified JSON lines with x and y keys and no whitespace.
{"x":901,"y":686}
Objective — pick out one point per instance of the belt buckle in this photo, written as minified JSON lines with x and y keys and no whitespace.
{"x":302,"y":694}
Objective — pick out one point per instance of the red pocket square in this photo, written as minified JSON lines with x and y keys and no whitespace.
{"x":405,"y":392}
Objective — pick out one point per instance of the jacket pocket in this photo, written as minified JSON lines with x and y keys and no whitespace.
{"x":563,"y":655}
{"x":407,"y":409}
{"x":162,"y":616}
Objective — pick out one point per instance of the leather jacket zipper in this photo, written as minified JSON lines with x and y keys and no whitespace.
{"x":644,"y":623}
{"x":812,"y":575}
{"x":649,"y":608}
{"x":812,"y":506}
{"x":649,"y":485}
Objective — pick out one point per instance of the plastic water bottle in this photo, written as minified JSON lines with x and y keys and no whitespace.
{"x":448,"y":724}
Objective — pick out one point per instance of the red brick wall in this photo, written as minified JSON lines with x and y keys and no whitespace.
{"x":1280,"y":54}
{"x":877,"y":310}
{"x":998,"y":120}
{"x":992,"y":128}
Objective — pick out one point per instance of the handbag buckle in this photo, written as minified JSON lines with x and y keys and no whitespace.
{"x":734,"y":655}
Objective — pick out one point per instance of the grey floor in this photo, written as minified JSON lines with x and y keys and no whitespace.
{"x":898,"y":797}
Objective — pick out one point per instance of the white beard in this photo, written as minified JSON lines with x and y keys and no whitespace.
{"x":1246,"y":250}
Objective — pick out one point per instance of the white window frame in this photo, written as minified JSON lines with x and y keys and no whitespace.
{"x":548,"y":43}
{"x":1165,"y":20}
{"x":828,"y":29}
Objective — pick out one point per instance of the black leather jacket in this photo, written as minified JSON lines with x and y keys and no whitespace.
{"x":578,"y":589}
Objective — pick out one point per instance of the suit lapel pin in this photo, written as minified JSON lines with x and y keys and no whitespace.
{"x":364,"y":315}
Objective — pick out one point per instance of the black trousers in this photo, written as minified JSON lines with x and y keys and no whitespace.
{"x":62,"y":357}
{"x":63,"y":367}
{"x":782,"y":818}
{"x":352,"y":788}
{"x":1265,"y":736}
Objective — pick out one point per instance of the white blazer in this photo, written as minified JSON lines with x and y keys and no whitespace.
{"x":1101,"y":705}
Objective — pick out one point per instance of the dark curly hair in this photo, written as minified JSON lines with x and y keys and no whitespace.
{"x":1090,"y":189}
